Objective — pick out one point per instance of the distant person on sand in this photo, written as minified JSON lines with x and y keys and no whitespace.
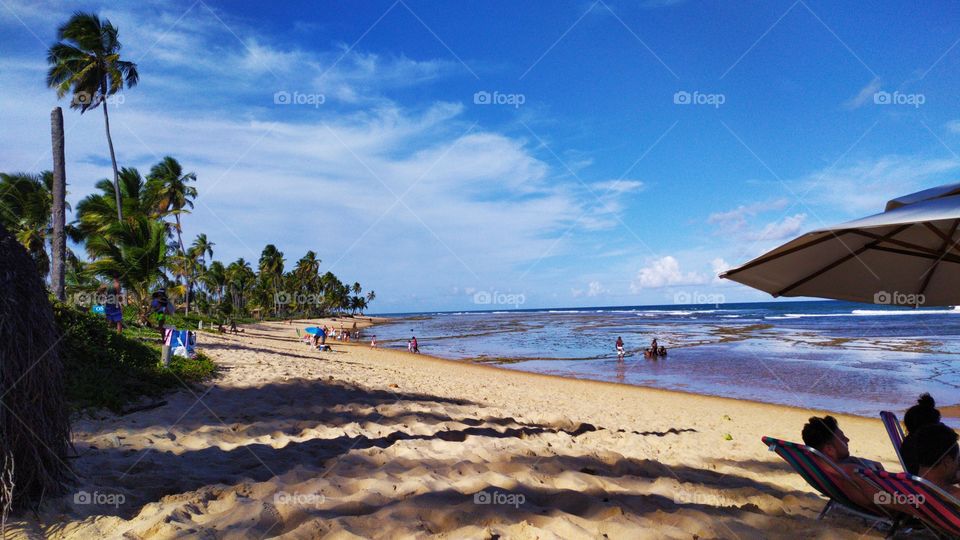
{"x":825,"y":435}
{"x":373,"y":342}
{"x":937,"y":453}
{"x":413,"y":345}
{"x":620,"y":352}
{"x":924,"y":413}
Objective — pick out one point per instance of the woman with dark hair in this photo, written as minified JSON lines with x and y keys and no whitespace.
{"x":923,"y":414}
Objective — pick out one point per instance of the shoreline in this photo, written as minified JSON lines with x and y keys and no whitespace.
{"x":380,"y":443}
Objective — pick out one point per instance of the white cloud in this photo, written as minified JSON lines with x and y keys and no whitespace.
{"x":864,"y":96}
{"x":735,"y":221}
{"x":617,"y":187}
{"x":867,"y":185}
{"x":780,"y":229}
{"x":664,"y":272}
{"x":594,"y":288}
{"x":717,"y":267}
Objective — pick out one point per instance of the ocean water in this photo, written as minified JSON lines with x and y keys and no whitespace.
{"x":837,"y":356}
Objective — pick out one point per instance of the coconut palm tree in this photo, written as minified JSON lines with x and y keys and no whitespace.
{"x":169,"y":191}
{"x":202,"y":248}
{"x":215,"y":279}
{"x":134,"y":252}
{"x":239,"y":278}
{"x":96,"y":213}
{"x":271,"y":271}
{"x":86,"y":61}
{"x":26,"y":202}
{"x":197,"y":253}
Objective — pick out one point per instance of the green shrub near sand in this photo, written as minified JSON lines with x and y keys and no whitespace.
{"x":104,"y":369}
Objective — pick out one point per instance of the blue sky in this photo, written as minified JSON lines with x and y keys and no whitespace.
{"x":559,"y":154}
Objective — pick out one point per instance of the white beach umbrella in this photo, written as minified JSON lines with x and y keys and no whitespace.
{"x":907,"y":255}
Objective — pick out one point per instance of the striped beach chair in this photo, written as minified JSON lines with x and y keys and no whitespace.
{"x":828,"y":479}
{"x":895,"y":431}
{"x":936,"y":508}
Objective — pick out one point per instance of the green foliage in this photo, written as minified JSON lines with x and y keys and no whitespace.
{"x":110,"y":370}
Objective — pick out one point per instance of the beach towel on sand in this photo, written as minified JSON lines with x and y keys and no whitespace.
{"x":181,"y":342}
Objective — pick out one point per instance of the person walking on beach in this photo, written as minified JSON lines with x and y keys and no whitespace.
{"x":413,"y":345}
{"x":620,"y":351}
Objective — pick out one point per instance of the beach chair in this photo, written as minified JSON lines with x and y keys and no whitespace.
{"x":829,"y":480}
{"x":895,"y":431}
{"x":937,"y":509}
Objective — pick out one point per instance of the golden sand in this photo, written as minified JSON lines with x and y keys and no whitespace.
{"x":359,"y":442}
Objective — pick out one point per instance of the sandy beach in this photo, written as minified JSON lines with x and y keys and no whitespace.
{"x":359,"y":442}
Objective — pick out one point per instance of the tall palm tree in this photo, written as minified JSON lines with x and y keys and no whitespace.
{"x":215,"y":279}
{"x":202,"y":248}
{"x":197,"y":254}
{"x":168,"y":187}
{"x":271,"y":270}
{"x":86,"y":60}
{"x":239,"y":278}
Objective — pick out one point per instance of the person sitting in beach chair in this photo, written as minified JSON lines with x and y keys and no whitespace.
{"x":937,"y":454}
{"x":825,"y":435}
{"x":923,"y":414}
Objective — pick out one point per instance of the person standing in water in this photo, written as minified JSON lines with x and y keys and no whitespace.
{"x":620,"y":351}
{"x":413,"y":345}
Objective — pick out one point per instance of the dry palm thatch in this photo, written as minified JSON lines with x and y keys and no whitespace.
{"x":34,"y":419}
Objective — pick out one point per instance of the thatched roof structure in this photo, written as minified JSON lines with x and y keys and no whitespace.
{"x":34,"y":419}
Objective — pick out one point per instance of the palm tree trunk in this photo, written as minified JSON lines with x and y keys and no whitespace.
{"x":113,"y":159}
{"x":58,"y":244}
